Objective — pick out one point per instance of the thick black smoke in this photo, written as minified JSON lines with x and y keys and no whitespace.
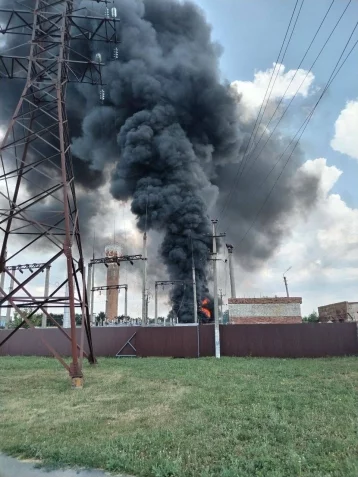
{"x":170,"y":129}
{"x":175,"y":121}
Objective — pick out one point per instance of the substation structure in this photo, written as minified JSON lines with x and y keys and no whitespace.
{"x":116,"y":288}
{"x":165,"y":283}
{"x":21,"y":268}
{"x":35,"y":153}
{"x":108,"y":262}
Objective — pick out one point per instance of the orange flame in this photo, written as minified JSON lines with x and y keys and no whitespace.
{"x":205,"y":310}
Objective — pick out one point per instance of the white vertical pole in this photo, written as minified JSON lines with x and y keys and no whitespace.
{"x":46,"y":293}
{"x":2,"y":282}
{"x":216,"y":302}
{"x":126,"y":302}
{"x":156,"y":304}
{"x":231,"y":271}
{"x":195,"y":310}
{"x":8,"y":310}
{"x":144,"y":285}
{"x":92,"y":295}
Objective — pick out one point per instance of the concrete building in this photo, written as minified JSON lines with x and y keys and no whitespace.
{"x":343,"y":311}
{"x":265,"y":310}
{"x":113,"y":250}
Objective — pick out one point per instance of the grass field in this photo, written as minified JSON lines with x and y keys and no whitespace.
{"x":186,"y":418}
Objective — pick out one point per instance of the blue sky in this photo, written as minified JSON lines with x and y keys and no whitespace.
{"x":251,"y":33}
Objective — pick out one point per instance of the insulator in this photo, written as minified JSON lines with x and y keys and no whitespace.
{"x":116,"y":53}
{"x":114,"y":12}
{"x":107,"y":13}
{"x":98,"y":57}
{"x":101,"y":94}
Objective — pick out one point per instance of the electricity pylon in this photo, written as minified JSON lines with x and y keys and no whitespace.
{"x":37,"y":172}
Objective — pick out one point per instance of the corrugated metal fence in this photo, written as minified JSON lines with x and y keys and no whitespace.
{"x":281,"y":341}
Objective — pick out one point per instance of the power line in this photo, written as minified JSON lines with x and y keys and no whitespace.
{"x":294,"y":96}
{"x":240,"y":173}
{"x":262,"y":104}
{"x":304,"y":125}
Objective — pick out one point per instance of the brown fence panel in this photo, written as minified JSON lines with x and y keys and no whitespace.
{"x":306,"y":340}
{"x":108,"y":341}
{"x":176,"y":342}
{"x":288,"y":341}
{"x":207,"y":341}
{"x":27,"y":342}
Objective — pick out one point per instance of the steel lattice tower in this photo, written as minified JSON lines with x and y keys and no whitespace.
{"x":36,"y":157}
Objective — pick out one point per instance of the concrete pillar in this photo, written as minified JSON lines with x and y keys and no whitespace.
{"x":230,"y":249}
{"x":8,"y":310}
{"x":46,"y":294}
{"x":126,"y":302}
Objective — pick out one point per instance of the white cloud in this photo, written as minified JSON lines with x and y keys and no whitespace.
{"x":253,"y":92}
{"x":345,"y":139}
{"x":322,"y":250}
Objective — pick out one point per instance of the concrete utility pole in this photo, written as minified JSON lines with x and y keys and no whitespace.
{"x":146,"y":305}
{"x":221,"y":304}
{"x":144,"y":285}
{"x":285,"y":281}
{"x":46,"y":293}
{"x":89,"y":288}
{"x":92,"y":319}
{"x":216,"y":301}
{"x":2,"y":281}
{"x":8,"y":310}
{"x":126,"y":302}
{"x":195,"y":305}
{"x":230,"y":249}
{"x":156,"y":303}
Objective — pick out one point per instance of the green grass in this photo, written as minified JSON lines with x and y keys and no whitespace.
{"x":185,"y":418}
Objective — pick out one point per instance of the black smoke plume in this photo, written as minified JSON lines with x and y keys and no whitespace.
{"x":170,"y":131}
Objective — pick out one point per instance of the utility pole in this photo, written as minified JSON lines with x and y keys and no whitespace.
{"x":144,"y":285}
{"x":216,"y":304}
{"x":156,"y":303}
{"x":2,"y":282}
{"x":146,"y":305}
{"x":195,"y":305}
{"x":89,"y":288}
{"x":221,"y":304}
{"x":230,"y":249}
{"x":92,"y":319}
{"x":285,"y":281}
{"x":46,"y":293}
{"x":126,"y":302}
{"x":12,"y":281}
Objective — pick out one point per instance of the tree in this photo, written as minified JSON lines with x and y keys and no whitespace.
{"x":100,"y":318}
{"x":57,"y":317}
{"x":311,"y":318}
{"x":36,"y":319}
